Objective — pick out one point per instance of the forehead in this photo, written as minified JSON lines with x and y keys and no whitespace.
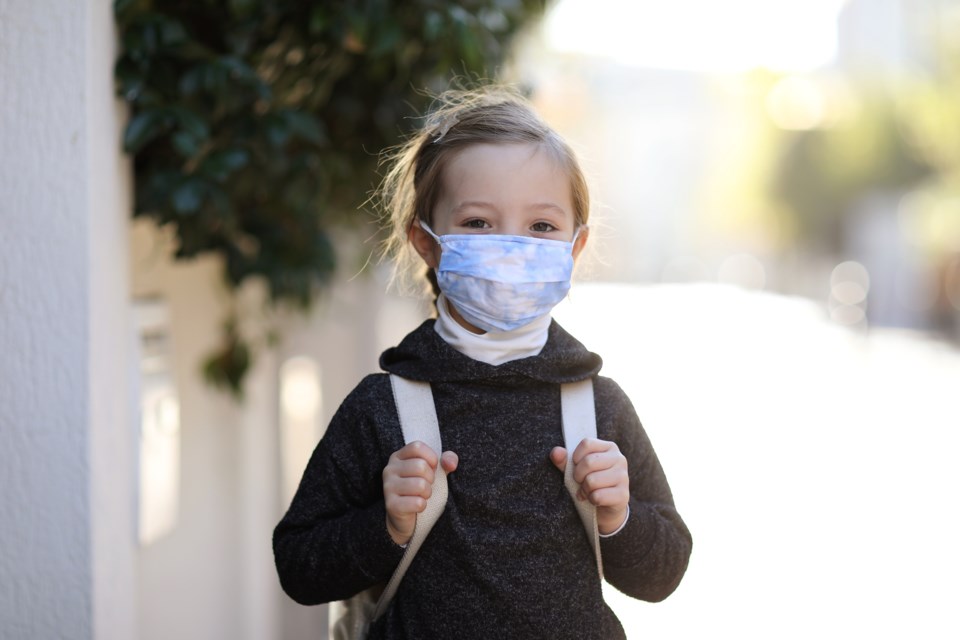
{"x":516,"y":172}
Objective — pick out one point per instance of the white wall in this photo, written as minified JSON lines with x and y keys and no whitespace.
{"x":188,"y":583}
{"x":112,"y":437}
{"x":62,"y":321}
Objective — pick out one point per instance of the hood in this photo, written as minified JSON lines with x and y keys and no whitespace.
{"x":423,"y":355}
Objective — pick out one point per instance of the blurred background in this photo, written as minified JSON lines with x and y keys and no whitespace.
{"x":773,"y":277}
{"x":803,"y":148}
{"x":775,"y":284}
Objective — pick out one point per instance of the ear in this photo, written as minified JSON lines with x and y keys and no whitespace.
{"x":581,"y":241}
{"x":424,"y":244}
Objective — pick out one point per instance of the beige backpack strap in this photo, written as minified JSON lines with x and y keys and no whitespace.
{"x":418,"y":420}
{"x":579,"y":422}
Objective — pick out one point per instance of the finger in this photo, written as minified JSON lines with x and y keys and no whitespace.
{"x":558,"y":456}
{"x":417,"y":449}
{"x":409,"y":487}
{"x":613,"y":477}
{"x":588,"y":446}
{"x":609,"y":497}
{"x":400,"y":506}
{"x":599,"y":461}
{"x":413,"y":468}
{"x":449,"y":461}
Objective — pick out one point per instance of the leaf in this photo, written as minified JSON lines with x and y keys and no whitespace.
{"x":192,"y":80}
{"x":142,"y":129}
{"x":221,"y":201}
{"x":387,"y":40}
{"x":242,"y":8}
{"x":432,"y":25}
{"x":190,"y":122}
{"x":188,"y":197}
{"x":221,"y":164}
{"x":235,"y":159}
{"x":277,"y":130}
{"x":236,"y":67}
{"x":306,"y":126}
{"x":150,"y":34}
{"x":122,"y":7}
{"x":185,"y":144}
{"x":172,"y":33}
{"x":459,"y":15}
{"x":130,"y":79}
{"x":227,"y":367}
{"x":318,"y":20}
{"x":470,"y":48}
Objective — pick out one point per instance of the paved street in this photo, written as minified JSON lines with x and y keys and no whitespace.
{"x":816,"y":465}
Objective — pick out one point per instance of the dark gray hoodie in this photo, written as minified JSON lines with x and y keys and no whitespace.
{"x":509,"y":556}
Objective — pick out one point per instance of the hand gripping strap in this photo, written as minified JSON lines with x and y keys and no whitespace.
{"x":418,"y":420}
{"x":579,"y":422}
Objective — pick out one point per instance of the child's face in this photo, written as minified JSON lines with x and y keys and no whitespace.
{"x":508,"y":189}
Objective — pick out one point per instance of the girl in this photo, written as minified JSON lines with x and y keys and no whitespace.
{"x":495,"y":204}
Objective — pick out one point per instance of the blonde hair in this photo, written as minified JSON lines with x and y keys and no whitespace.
{"x":457,"y":119}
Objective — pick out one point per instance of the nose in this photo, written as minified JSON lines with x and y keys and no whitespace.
{"x":514,"y":229}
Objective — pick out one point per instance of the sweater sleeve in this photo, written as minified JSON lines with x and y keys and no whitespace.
{"x":648,"y":557}
{"x":333,"y":543}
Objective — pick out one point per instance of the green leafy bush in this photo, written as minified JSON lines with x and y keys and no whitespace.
{"x":256,"y":124}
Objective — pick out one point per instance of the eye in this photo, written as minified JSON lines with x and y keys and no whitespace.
{"x":542,"y":227}
{"x":476,"y":223}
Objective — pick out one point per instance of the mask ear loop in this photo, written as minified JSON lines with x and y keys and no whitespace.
{"x":423,"y":225}
{"x":576,"y":234}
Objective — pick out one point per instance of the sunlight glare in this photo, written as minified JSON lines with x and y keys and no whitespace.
{"x":700,"y":35}
{"x":300,"y":407}
{"x":795,"y":103}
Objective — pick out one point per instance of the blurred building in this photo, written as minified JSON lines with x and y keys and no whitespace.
{"x":895,"y":43}
{"x":891,"y":38}
{"x":670,"y":152}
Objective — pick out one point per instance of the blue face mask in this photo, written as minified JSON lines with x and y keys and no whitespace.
{"x":500,"y":282}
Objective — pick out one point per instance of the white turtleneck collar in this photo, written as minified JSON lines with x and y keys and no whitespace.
{"x":493,"y":347}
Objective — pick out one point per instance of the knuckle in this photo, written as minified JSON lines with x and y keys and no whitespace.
{"x":420,"y":467}
{"x":424,"y":488}
{"x":421,"y":450}
{"x":590,"y":462}
{"x":603,"y":498}
{"x":590,"y":483}
{"x":391,"y":503}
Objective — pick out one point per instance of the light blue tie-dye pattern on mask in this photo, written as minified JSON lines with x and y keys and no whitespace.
{"x":501,"y":282}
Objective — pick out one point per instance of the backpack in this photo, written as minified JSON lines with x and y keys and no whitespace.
{"x":351,"y":619}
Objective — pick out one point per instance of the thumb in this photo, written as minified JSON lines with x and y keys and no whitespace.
{"x":449,"y":461}
{"x":558,"y":456}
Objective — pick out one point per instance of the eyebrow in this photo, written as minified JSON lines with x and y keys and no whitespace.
{"x":480,"y":204}
{"x":541,"y":206}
